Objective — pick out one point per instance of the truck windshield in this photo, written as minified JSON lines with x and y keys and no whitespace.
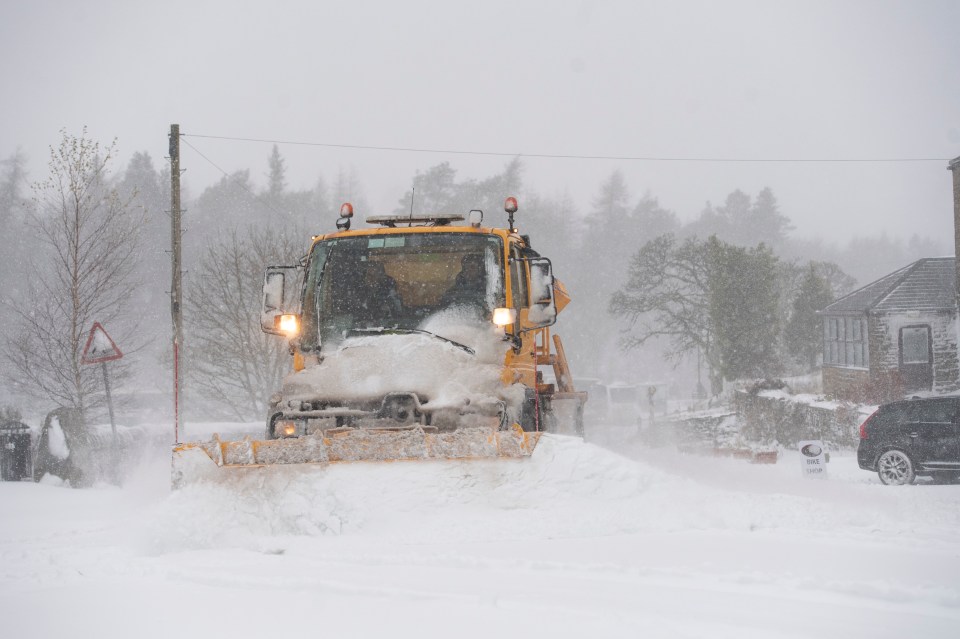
{"x":398,"y":281}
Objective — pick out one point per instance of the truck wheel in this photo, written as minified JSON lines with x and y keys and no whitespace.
{"x":895,"y":468}
{"x":528,"y":414}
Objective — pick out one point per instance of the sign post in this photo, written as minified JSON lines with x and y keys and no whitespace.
{"x":813,"y":459}
{"x":101,"y":349}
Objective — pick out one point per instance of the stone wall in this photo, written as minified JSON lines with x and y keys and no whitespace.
{"x":882,"y":383}
{"x":943,"y":329}
{"x":783,"y":421}
{"x":852,"y":384}
{"x":946,"y":365}
{"x":692,"y":432}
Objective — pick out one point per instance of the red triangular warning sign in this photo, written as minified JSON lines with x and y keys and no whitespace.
{"x":99,"y":348}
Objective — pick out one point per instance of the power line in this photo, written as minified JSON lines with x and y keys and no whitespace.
{"x":227,"y":175}
{"x":197,"y":151}
{"x":558,"y":156}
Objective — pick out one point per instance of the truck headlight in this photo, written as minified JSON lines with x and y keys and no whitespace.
{"x":289,"y":324}
{"x":504,"y":316}
{"x":285,"y":428}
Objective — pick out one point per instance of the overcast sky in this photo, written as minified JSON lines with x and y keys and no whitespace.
{"x":776,"y":80}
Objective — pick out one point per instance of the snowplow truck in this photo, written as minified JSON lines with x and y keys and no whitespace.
{"x":418,"y":337}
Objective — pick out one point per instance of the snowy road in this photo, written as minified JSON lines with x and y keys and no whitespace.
{"x":577,"y":541}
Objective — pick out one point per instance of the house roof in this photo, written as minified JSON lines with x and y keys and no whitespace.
{"x":926,"y":285}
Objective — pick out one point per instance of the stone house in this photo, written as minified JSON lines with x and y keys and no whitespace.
{"x":894,"y":337}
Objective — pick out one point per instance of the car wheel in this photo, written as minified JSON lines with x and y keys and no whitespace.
{"x":895,"y":468}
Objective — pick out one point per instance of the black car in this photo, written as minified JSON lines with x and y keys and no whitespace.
{"x":912,"y":437}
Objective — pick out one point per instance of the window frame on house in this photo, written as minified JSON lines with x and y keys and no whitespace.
{"x":845,"y":342}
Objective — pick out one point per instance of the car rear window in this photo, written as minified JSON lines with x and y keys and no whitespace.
{"x":898,"y":413}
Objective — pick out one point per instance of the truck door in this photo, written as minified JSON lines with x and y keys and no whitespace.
{"x":518,"y":279}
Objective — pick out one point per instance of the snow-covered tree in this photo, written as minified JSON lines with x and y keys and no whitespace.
{"x":232,"y":364}
{"x":81,"y":272}
{"x":667,"y":297}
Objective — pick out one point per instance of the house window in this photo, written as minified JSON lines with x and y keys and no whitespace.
{"x":845,"y":342}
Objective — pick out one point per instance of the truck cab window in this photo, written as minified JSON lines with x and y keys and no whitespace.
{"x":518,"y":278}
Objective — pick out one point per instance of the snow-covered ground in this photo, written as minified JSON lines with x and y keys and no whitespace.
{"x":578,"y":541}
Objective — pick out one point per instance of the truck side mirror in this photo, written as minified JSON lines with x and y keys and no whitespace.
{"x":543,"y":306}
{"x":281,"y":297}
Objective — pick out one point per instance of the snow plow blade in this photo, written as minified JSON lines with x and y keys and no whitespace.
{"x":198,"y":461}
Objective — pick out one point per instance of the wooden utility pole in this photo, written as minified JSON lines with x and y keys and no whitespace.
{"x":176,"y":291}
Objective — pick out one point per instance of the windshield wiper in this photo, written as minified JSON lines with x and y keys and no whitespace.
{"x":408,"y":331}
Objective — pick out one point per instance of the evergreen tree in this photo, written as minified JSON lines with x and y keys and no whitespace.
{"x":434,"y":191}
{"x":554,"y":226}
{"x":320,"y":209}
{"x":276,"y":178}
{"x":13,"y":180}
{"x":348,"y":188}
{"x":737,"y":218}
{"x":744,"y":222}
{"x":437,"y":190}
{"x":652,"y":220}
{"x":709,"y":223}
{"x":610,"y":229}
{"x":765,"y":224}
{"x":141,"y":185}
{"x":14,"y":209}
{"x":277,"y":205}
{"x":804,"y":331}
{"x":613,"y":200}
{"x":744,"y":299}
{"x":230,"y":203}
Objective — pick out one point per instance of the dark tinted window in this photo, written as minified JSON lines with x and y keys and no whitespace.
{"x":941,"y":410}
{"x":399,"y":281}
{"x":899,"y":413}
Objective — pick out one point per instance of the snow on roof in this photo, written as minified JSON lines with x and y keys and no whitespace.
{"x":928,"y":284}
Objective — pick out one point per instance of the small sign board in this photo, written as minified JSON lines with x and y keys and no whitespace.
{"x":813,"y":458}
{"x":100,"y":347}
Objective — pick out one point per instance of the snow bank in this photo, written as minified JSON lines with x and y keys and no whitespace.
{"x":575,"y":541}
{"x":568,"y":488}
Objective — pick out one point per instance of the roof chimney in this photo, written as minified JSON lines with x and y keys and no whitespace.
{"x":954,"y":166}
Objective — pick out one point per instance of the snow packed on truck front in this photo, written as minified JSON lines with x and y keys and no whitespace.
{"x":397,"y":330}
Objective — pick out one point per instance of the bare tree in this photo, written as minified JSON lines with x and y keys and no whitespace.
{"x":80,"y":273}
{"x":232,"y":362}
{"x":667,"y":297}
